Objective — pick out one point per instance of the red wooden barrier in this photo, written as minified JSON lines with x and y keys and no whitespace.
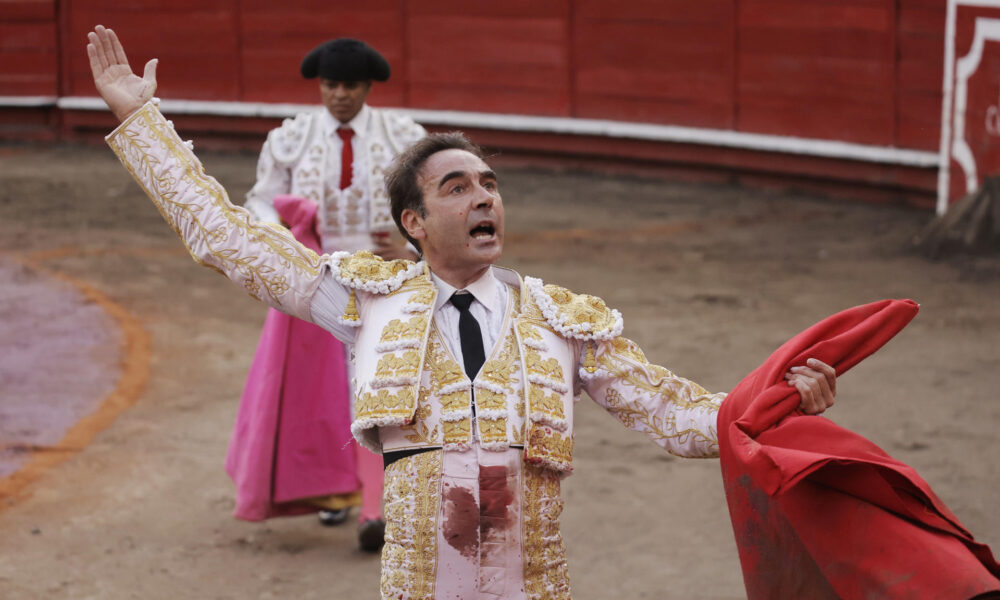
{"x":28,"y":48}
{"x":859,"y":71}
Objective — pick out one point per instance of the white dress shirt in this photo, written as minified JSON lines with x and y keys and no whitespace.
{"x":489,"y":308}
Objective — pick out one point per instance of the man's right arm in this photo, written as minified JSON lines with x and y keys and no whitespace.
{"x":265,"y":260}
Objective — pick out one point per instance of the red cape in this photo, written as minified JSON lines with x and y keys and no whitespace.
{"x":821,"y":512}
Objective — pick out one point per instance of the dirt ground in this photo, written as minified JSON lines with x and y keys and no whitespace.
{"x":134,"y":503}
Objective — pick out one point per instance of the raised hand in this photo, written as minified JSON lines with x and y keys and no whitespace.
{"x":122,"y":90}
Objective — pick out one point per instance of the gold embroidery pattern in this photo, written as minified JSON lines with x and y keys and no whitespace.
{"x":545,"y":400}
{"x":550,"y":405}
{"x":500,"y":370}
{"x":548,"y":447}
{"x":581,"y":309}
{"x":499,"y":373}
{"x":419,"y":432}
{"x":412,"y":329}
{"x":445,"y":372}
{"x":424,"y":293}
{"x":454,"y":402}
{"x":528,"y":331}
{"x":517,"y":435}
{"x":412,"y":504}
{"x":655,"y":379}
{"x":422,"y":296}
{"x":441,"y":375}
{"x":546,"y":575}
{"x":393,"y":365}
{"x":530,"y":311}
{"x":625,"y":347}
{"x":490,"y":400}
{"x":383,"y":404}
{"x":365,"y":266}
{"x":493,"y":430}
{"x":548,"y":368}
{"x":655,"y":386}
{"x":635,"y":416}
{"x":457,"y":432}
{"x":252,"y":267}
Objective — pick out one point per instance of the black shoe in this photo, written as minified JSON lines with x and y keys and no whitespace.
{"x":332,"y":518}
{"x":371,"y":535}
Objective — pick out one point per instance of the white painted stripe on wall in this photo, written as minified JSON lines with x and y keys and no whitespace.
{"x":948,"y":97}
{"x":965,"y":68}
{"x":570,"y":126}
{"x":946,"y":89}
{"x":27,"y":100}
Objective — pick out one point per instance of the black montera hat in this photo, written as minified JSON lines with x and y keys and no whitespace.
{"x":345,"y":59}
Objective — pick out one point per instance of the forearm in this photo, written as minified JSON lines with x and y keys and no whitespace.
{"x":673,"y":412}
{"x":265,"y":260}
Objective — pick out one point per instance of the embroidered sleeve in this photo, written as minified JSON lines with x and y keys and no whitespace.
{"x":410,"y":132}
{"x":675,"y":413}
{"x":265,"y":260}
{"x":272,"y":179}
{"x":401,"y":130}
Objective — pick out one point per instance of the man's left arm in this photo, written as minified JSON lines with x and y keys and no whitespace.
{"x":674,"y":412}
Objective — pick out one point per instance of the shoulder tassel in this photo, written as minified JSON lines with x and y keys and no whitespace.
{"x":351,"y":312}
{"x":589,"y":363}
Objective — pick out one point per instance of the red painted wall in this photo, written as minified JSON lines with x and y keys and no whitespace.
{"x":865,"y":71}
{"x":28,"y":48}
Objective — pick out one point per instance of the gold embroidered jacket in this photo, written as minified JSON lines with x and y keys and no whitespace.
{"x":409,"y":391}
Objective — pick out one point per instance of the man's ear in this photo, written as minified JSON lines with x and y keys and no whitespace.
{"x":413,"y":223}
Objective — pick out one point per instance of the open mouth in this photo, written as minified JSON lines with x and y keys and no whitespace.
{"x":483,"y":231}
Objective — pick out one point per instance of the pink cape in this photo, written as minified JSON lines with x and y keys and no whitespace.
{"x":821,"y":512}
{"x":292,"y":435}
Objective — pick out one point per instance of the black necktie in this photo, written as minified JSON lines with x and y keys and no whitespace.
{"x":469,"y":334}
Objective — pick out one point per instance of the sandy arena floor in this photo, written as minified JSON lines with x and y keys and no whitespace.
{"x":104,"y":315}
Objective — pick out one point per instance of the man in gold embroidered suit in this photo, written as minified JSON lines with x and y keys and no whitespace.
{"x":466,"y":374}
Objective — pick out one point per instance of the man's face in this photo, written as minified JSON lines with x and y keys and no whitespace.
{"x":461,"y":231}
{"x":344,"y":99}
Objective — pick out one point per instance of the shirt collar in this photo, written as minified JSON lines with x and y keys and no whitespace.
{"x":483,"y":289}
{"x":359,"y":123}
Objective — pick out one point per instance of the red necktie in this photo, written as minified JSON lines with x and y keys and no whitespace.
{"x":346,"y":156}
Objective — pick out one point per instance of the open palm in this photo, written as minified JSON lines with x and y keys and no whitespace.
{"x":123,"y":91}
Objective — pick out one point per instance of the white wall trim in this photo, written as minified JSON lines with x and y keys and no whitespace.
{"x":949,"y":75}
{"x":27,"y":101}
{"x":953,"y":124}
{"x":986,"y":29}
{"x":570,"y":126}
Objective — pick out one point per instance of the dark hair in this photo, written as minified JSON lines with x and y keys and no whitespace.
{"x":401,"y":180}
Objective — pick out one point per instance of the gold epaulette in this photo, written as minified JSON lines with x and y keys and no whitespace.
{"x":579,"y":316}
{"x":365,"y":271}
